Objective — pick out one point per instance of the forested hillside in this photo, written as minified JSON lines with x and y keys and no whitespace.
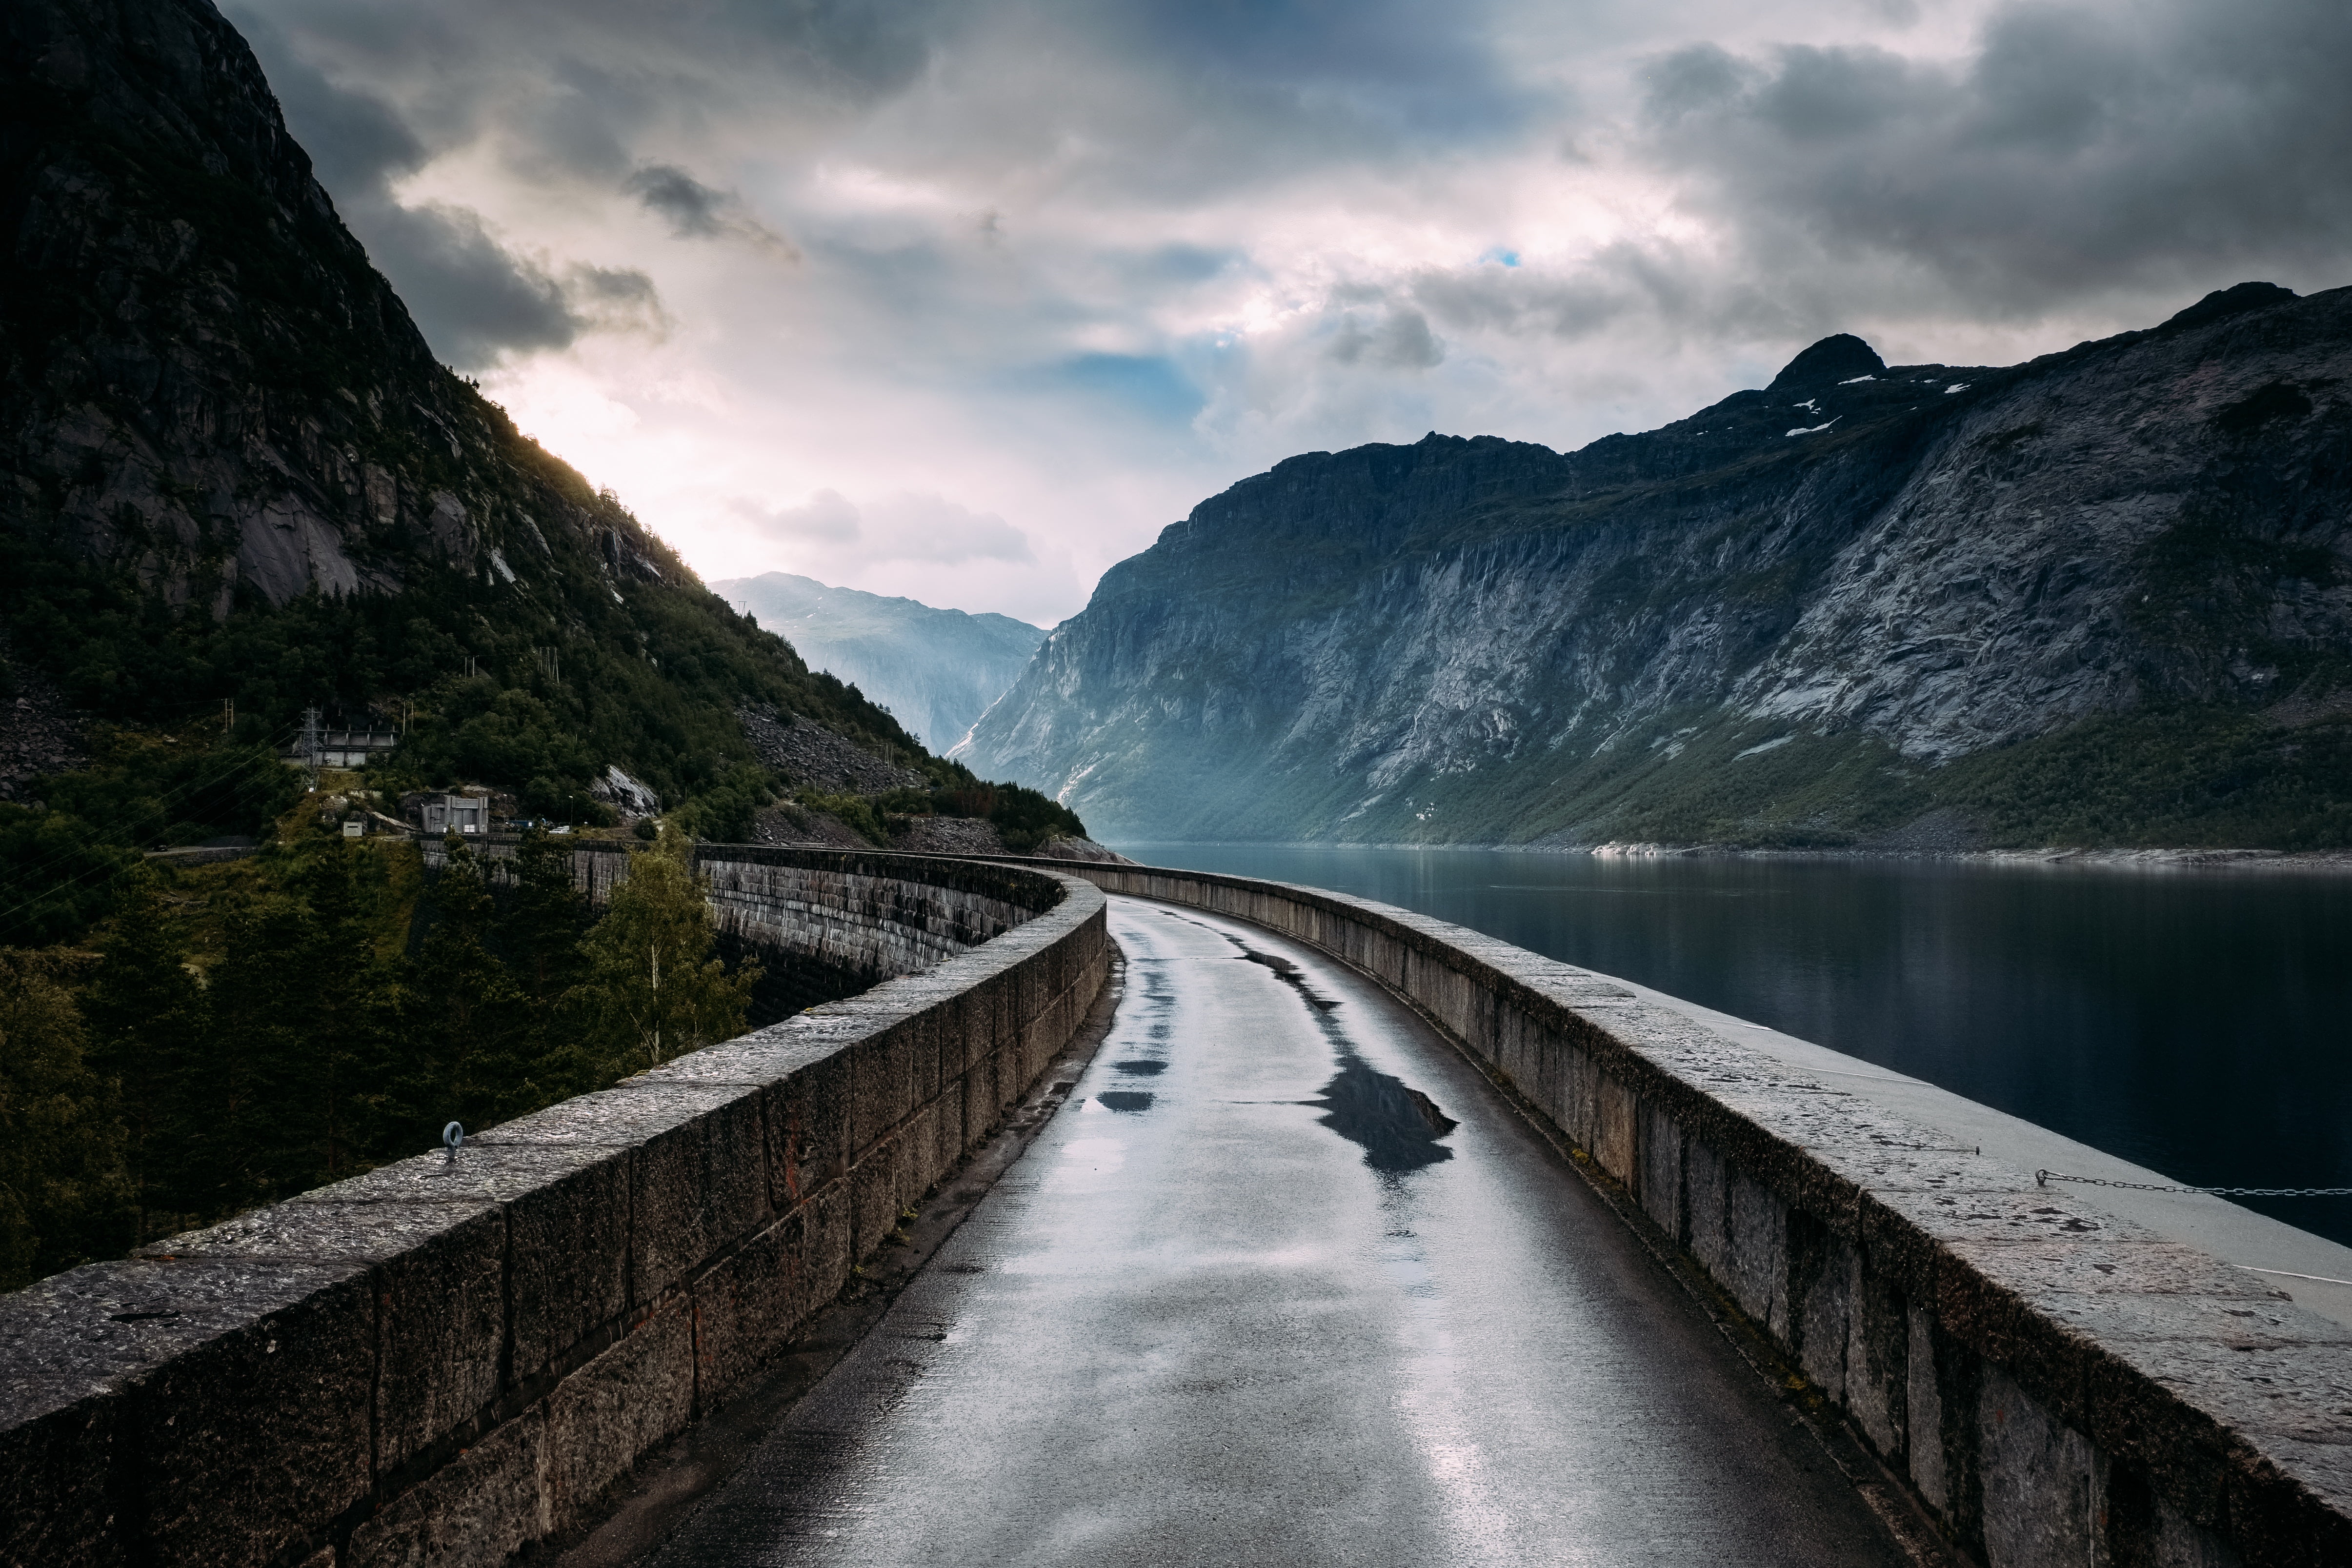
{"x":233,"y":471}
{"x":235,"y":485}
{"x":246,"y":1031}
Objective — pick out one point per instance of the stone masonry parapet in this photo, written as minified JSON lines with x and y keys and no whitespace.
{"x":844,"y":908}
{"x":2055,"y":1384}
{"x":446,"y":1359}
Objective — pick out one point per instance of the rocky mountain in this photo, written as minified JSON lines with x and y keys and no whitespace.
{"x":2102,"y":598}
{"x":231,"y":468}
{"x":936,"y":669}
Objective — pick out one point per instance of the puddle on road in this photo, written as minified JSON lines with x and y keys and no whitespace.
{"x":1132,"y":1101}
{"x":1142,"y":1067}
{"x":1398,"y":1126}
{"x":1289,"y":971}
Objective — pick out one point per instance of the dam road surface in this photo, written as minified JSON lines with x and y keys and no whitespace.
{"x":1285,"y":1281}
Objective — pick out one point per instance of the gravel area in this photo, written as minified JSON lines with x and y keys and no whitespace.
{"x":807,"y":753}
{"x":796,"y":827}
{"x":38,"y":732}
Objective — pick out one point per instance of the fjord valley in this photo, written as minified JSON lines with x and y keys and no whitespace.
{"x":937,"y":670}
{"x":516,"y":1047}
{"x":2101,"y":598}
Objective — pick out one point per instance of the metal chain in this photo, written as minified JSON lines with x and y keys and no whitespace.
{"x":2043,"y":1178}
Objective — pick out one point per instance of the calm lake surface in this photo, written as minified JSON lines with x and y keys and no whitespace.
{"x":2195,"y":1022}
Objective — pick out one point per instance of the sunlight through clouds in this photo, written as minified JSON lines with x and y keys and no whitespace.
{"x":1074,"y":268}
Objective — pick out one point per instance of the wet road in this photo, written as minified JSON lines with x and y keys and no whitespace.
{"x":1285,"y":1282}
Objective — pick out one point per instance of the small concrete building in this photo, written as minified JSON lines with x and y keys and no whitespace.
{"x":342,"y":747}
{"x":439,"y":814}
{"x":353,"y":748}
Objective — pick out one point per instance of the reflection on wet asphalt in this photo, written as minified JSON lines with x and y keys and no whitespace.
{"x":1283,"y":1308}
{"x":1398,"y":1125}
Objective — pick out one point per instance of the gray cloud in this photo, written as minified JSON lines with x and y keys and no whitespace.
{"x":691,"y":206}
{"x":2080,"y":149}
{"x":1391,"y":66}
{"x":696,"y":211}
{"x":831,"y":531}
{"x":1107,"y":255}
{"x":472,"y":299}
{"x":1399,"y":340}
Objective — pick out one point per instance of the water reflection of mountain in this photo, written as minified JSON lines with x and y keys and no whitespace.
{"x":1398,"y":1125}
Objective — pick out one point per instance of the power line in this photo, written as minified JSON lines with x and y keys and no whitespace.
{"x":161,"y":801}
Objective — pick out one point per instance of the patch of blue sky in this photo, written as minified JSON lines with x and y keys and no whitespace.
{"x":1501,"y":256}
{"x":1150,"y":386}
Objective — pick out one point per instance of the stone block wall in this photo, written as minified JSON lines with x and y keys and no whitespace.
{"x":847,"y":909}
{"x":2056,"y":1386}
{"x":446,"y":1359}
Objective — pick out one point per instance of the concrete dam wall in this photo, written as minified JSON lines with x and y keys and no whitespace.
{"x":446,"y":1359}
{"x":2054,"y":1384}
{"x":853,"y":912}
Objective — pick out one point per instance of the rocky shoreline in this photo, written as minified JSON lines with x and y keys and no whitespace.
{"x":2337,"y":862}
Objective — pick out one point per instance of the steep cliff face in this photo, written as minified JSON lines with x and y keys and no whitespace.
{"x":230,"y":468}
{"x":206,"y":380}
{"x":936,"y":669}
{"x":2102,"y":596}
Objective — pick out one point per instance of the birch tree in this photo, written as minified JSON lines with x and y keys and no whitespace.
{"x":656,"y":989}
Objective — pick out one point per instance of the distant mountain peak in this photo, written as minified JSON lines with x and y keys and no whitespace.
{"x":936,"y":669}
{"x":1841,"y":357}
{"x":2231,"y":301}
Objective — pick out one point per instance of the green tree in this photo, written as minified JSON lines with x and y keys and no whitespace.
{"x":147,"y":1023}
{"x":466,"y":1024}
{"x":57,"y":875}
{"x":654,"y":989}
{"x":250,"y":1109}
{"x":348,"y":994}
{"x":546,"y":917}
{"x":65,"y":1197}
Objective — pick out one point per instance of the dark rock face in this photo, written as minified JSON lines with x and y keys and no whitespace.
{"x":1804,"y":615}
{"x":38,"y":732}
{"x":206,"y":381}
{"x":1841,"y":358}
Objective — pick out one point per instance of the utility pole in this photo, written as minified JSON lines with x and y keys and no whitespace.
{"x":310,"y":743}
{"x":228,"y":716}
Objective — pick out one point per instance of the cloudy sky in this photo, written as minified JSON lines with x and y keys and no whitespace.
{"x":967,"y":298}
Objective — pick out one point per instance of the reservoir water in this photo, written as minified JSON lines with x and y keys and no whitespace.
{"x":2195,"y":1022}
